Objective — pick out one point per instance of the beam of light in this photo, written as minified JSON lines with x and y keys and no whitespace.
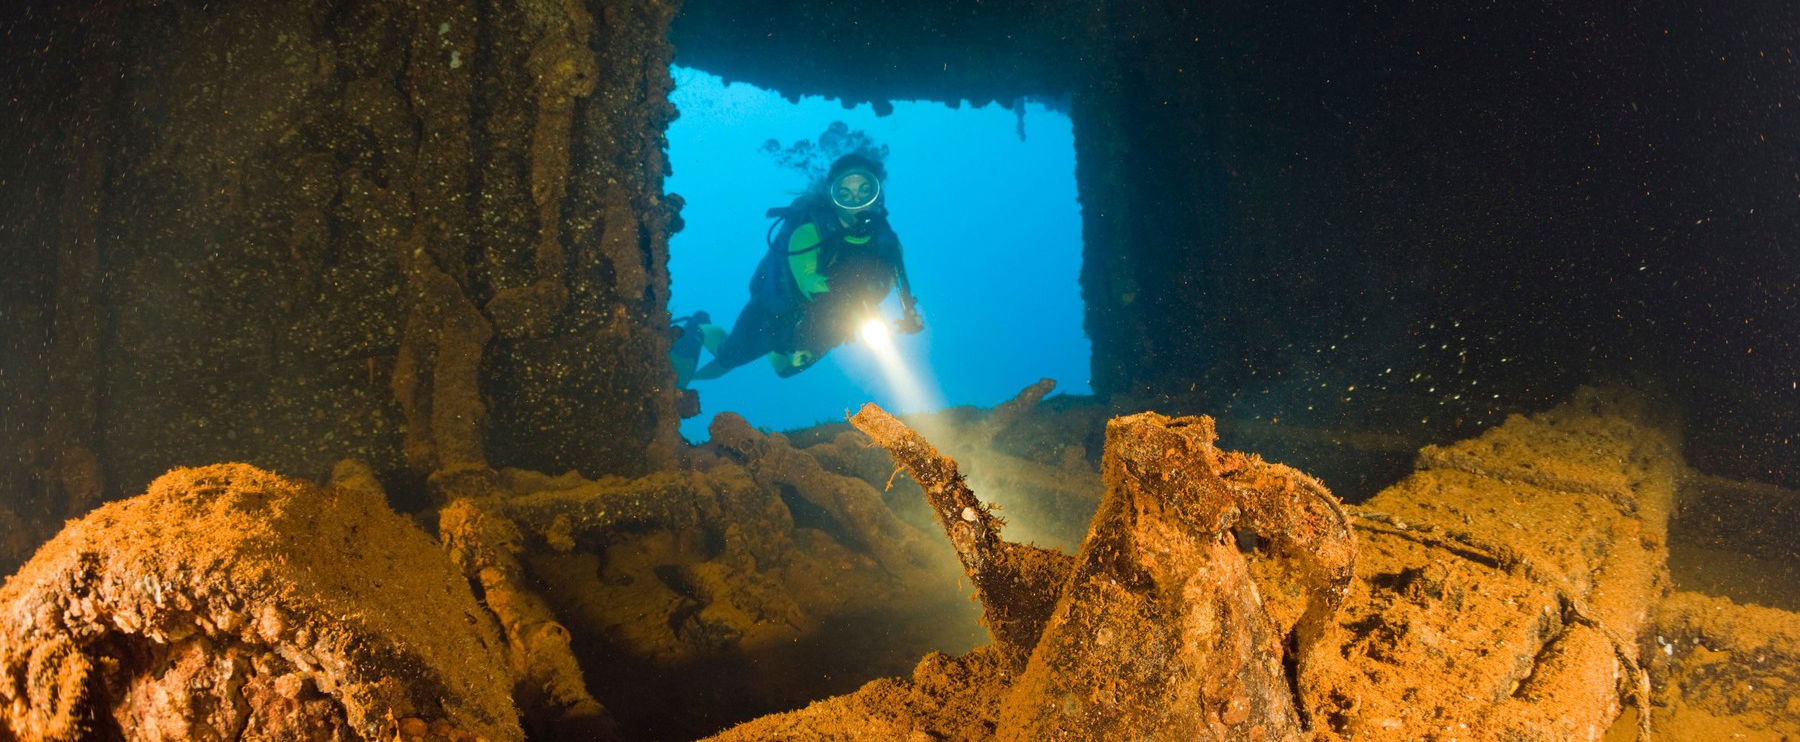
{"x":901,"y":380}
{"x":874,"y":333}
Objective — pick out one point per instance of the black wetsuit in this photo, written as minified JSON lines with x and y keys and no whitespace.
{"x":801,"y":324}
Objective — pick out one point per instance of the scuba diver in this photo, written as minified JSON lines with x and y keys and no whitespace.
{"x":832,"y":258}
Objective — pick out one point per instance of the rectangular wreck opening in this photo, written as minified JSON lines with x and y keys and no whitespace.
{"x":981,"y":198}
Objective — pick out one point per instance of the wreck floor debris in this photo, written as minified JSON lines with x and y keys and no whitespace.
{"x":1498,"y":593}
{"x":1511,"y":587}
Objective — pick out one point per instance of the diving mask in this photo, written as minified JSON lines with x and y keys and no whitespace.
{"x":855,"y":191}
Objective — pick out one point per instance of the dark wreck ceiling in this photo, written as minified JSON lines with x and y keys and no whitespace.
{"x":878,"y":51}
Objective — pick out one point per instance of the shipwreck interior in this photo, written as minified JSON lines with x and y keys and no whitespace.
{"x":1442,"y":382}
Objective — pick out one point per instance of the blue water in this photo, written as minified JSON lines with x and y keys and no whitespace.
{"x":989,"y":222}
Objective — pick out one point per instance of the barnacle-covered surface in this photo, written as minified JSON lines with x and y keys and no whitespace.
{"x":230,"y":603}
{"x":1726,"y":670}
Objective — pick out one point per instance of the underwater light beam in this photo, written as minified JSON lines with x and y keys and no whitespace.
{"x":879,"y":340}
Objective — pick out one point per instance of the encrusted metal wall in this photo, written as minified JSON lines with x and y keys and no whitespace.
{"x":428,"y":235}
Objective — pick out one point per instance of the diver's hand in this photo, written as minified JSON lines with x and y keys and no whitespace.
{"x":910,"y":324}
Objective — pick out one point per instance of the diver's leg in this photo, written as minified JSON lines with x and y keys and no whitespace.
{"x":684,"y":353}
{"x":788,"y":364}
{"x":712,"y":336}
{"x":712,"y":370}
{"x":751,"y":337}
{"x":824,"y":326}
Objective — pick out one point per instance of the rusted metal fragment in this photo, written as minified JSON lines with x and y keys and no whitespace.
{"x":1503,"y":587}
{"x":1052,"y":497}
{"x":1049,"y":497}
{"x":850,"y":503}
{"x":228,"y":598}
{"x":1018,"y":584}
{"x":547,"y":682}
{"x":437,"y":375}
{"x":1161,"y":631}
{"x":1157,"y":625}
{"x":1011,"y":410}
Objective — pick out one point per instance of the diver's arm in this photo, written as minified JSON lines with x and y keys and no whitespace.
{"x":909,"y":312}
{"x":803,"y":261}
